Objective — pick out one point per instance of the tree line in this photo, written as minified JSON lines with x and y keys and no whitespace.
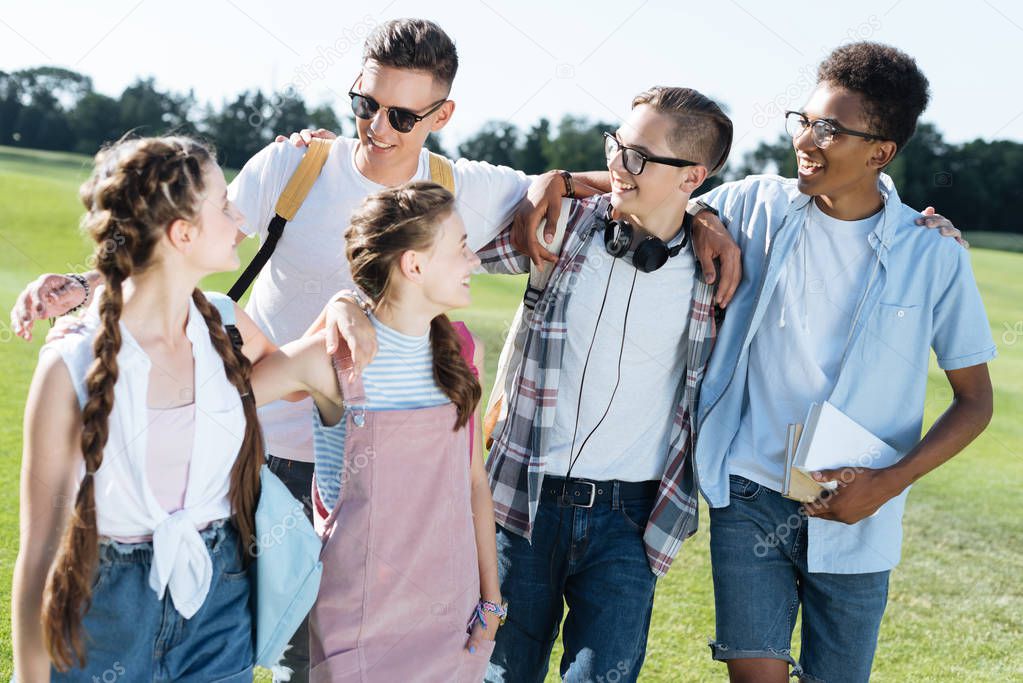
{"x":53,"y":108}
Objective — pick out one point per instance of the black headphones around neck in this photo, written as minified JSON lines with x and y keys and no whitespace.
{"x":652,"y":252}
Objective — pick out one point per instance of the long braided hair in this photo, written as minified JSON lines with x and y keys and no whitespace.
{"x":388,"y":224}
{"x":137,"y":188}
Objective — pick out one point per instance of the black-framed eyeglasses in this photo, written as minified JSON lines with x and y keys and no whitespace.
{"x":634,"y":160}
{"x":823,"y":131}
{"x":401,"y":119}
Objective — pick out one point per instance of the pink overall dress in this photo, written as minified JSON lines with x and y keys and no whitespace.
{"x":400,"y":571}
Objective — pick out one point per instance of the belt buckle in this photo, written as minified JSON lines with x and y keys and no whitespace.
{"x":593,"y":495}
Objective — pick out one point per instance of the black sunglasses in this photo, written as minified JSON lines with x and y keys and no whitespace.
{"x":823,"y":131}
{"x":401,"y":119}
{"x":634,"y":160}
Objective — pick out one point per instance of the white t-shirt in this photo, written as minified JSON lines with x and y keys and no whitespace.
{"x":309,"y":263}
{"x":796,"y":352}
{"x":632,"y":442}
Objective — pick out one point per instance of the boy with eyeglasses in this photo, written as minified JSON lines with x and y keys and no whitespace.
{"x":400,"y":96}
{"x":591,"y":468}
{"x":843,"y":299}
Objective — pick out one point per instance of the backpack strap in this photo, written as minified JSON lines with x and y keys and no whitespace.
{"x":287,"y":206}
{"x":442,"y":172}
{"x":225,"y":307}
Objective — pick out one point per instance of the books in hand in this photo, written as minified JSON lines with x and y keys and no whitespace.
{"x":829,"y":439}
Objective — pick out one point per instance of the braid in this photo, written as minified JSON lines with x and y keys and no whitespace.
{"x":69,"y":590}
{"x":136,"y":189}
{"x":450,"y":371}
{"x":387,"y":224}
{"x":244,"y":491}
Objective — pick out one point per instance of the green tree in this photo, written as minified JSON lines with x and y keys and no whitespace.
{"x":496,"y":142}
{"x":323,"y":116}
{"x":35,"y":104}
{"x":95,"y":120}
{"x":579,"y":144}
{"x":148,"y":111}
{"x":532,"y":156}
{"x":240,"y":128}
{"x":768,"y":157}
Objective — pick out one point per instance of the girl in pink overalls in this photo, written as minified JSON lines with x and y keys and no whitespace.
{"x":410,"y":590}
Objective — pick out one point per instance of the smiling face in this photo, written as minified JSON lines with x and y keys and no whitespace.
{"x":659,"y":190}
{"x":850,"y":164}
{"x":383,"y":149}
{"x":220,"y":221}
{"x":443,"y":271}
{"x":208,"y":242}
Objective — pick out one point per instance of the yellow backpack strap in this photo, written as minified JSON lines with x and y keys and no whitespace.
{"x":303,"y":178}
{"x":442,"y":172}
{"x":288,"y":203}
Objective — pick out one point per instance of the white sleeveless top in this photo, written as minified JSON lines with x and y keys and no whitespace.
{"x":125,"y":504}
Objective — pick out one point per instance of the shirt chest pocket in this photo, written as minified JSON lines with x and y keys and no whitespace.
{"x":896,"y":332}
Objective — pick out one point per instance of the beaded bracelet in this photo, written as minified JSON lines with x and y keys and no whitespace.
{"x":81,"y":280}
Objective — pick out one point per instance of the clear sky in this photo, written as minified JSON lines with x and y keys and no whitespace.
{"x":526,"y":59}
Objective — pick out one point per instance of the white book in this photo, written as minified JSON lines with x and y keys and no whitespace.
{"x":831,"y":440}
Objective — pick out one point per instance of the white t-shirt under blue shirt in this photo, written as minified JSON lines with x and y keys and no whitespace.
{"x":796,"y":353}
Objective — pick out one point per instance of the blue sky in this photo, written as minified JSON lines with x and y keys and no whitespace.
{"x":526,"y":59}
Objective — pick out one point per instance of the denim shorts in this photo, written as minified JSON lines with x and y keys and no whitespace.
{"x":131,"y":635}
{"x":761,"y":581}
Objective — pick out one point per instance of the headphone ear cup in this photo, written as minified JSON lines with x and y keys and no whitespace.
{"x":617,"y":238}
{"x":650,"y":255}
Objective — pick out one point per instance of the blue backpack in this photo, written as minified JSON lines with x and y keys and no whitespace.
{"x":286,"y":574}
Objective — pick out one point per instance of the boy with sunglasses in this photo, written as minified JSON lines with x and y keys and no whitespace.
{"x":591,"y":469}
{"x":844,"y":299}
{"x":400,"y":96}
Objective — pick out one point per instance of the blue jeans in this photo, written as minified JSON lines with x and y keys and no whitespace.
{"x":298,"y":477}
{"x":594,"y":560}
{"x":758,"y":557}
{"x":131,"y":635}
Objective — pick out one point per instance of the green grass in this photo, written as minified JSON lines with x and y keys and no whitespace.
{"x":956,"y":600}
{"x":1004,"y":241}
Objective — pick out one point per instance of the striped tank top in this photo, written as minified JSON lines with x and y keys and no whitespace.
{"x":400,"y":377}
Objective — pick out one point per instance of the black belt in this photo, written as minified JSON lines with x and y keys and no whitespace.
{"x":585,"y":493}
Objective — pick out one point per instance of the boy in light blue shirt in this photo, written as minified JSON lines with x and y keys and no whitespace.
{"x":843,"y":298}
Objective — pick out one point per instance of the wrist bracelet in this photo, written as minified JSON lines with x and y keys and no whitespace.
{"x":84,"y":282}
{"x":695,"y":206}
{"x":569,"y":189}
{"x":357,"y":298}
{"x":485,"y":606}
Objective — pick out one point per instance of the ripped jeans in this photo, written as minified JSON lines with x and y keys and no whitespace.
{"x":761,"y":581}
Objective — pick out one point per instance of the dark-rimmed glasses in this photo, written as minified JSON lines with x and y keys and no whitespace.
{"x":635,"y":160}
{"x":402,"y":120}
{"x":823,"y":131}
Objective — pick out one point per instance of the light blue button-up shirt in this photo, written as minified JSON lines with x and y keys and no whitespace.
{"x":921,"y":295}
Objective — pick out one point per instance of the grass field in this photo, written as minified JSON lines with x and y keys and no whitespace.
{"x":956,"y":603}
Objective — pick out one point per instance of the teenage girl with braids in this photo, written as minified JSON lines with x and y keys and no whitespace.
{"x":410,"y":588}
{"x":142,"y":451}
